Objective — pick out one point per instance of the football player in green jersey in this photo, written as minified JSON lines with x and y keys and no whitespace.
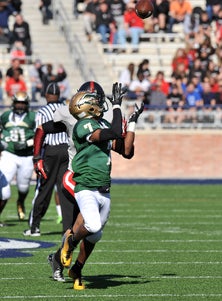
{"x":94,"y":138}
{"x":16,"y":159}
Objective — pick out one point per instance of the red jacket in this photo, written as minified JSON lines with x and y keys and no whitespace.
{"x":12,"y":86}
{"x":131,"y":18}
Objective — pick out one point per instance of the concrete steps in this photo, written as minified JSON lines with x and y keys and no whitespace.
{"x":49,"y":43}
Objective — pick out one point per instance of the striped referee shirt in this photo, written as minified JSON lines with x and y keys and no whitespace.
{"x":44,"y":115}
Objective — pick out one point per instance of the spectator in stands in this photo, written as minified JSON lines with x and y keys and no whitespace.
{"x":157,"y":99}
{"x":191,"y":51}
{"x":213,"y":69}
{"x":213,"y":83}
{"x":219,"y":27}
{"x":47,"y":78}
{"x":178,"y":11}
{"x":205,"y":27}
{"x":218,"y":94}
{"x":197,"y":84}
{"x":212,"y":7}
{"x":193,"y":99}
{"x":6,"y":10}
{"x":191,"y":27}
{"x":144,"y":68}
{"x":117,"y":8}
{"x":180,"y":56}
{"x":139,"y":88}
{"x":1,"y":90}
{"x":17,"y":4}
{"x":64,"y":85}
{"x":21,"y":33}
{"x":133,"y":28}
{"x":205,"y":52}
{"x":160,"y":79}
{"x":161,"y":15}
{"x":45,"y":8}
{"x":209,"y":98}
{"x":180,"y":70}
{"x":180,"y":82}
{"x":15,"y":65}
{"x":18,"y":52}
{"x":175,"y":104}
{"x":105,"y":24}
{"x":89,"y":17}
{"x":35,"y":74}
{"x":15,"y":84}
{"x":127,"y":75}
{"x":197,"y":70}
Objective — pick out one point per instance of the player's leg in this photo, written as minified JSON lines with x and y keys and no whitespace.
{"x":5,"y":193}
{"x":87,"y":245}
{"x":94,"y":207}
{"x":24,"y":174}
{"x":55,"y":259}
{"x":58,"y":207}
{"x":67,"y":205}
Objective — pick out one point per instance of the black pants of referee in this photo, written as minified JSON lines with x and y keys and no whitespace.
{"x":55,"y":163}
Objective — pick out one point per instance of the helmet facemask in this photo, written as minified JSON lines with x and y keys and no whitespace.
{"x":20,"y":103}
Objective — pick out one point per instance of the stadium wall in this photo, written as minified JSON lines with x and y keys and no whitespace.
{"x":172,"y":154}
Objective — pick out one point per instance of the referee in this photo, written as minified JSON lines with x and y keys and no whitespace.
{"x":50,"y":163}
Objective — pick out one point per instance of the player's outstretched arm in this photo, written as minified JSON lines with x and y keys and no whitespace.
{"x":115,"y":131}
{"x":125,"y":146}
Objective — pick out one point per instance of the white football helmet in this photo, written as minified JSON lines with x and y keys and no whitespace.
{"x":85,"y":104}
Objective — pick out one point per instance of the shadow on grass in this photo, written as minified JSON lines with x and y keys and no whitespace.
{"x":112,"y":280}
{"x":51,"y":233}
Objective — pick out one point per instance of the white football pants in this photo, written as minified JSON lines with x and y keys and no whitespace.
{"x":95,"y":209}
{"x":15,"y":166}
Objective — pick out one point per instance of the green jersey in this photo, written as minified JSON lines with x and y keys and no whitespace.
{"x":18,"y":129}
{"x":92,"y":162}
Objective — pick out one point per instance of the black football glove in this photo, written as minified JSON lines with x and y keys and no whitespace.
{"x":117,"y":94}
{"x":135,"y":115}
{"x":39,"y":167}
{"x":20,"y":145}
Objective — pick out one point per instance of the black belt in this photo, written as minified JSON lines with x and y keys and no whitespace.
{"x":104,"y":189}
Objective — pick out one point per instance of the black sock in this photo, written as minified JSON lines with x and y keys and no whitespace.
{"x":72,"y":241}
{"x":2,"y":205}
{"x":77,"y":267}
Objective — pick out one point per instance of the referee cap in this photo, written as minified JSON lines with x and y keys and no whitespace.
{"x":53,"y":89}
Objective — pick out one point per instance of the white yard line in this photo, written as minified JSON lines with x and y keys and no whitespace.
{"x":126,"y":263}
{"x":115,"y":296}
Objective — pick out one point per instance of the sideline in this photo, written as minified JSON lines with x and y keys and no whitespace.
{"x":190,"y":181}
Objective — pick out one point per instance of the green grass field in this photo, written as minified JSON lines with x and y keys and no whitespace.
{"x":162,"y":242}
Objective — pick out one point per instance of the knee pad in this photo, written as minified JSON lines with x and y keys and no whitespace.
{"x":93,"y":227}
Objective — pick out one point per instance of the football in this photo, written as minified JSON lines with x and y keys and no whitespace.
{"x":144,"y":8}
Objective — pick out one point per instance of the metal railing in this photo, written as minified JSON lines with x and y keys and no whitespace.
{"x":77,"y":52}
{"x":168,"y":118}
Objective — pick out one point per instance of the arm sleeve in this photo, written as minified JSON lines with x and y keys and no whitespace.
{"x":53,"y":127}
{"x":120,"y":148}
{"x":38,"y":142}
{"x":115,"y":131}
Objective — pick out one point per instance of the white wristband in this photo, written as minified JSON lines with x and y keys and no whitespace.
{"x":30,"y":142}
{"x":131,"y":126}
{"x":116,"y":107}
